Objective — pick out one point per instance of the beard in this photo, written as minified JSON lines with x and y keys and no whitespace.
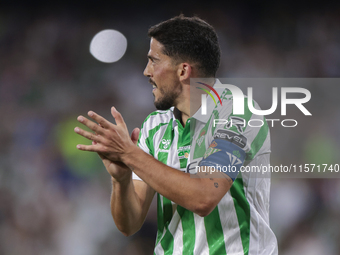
{"x":166,"y":101}
{"x":168,"y":98}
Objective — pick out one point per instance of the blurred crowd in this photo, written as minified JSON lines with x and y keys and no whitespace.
{"x":55,"y":199}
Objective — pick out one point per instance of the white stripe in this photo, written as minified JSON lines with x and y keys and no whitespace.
{"x":226,"y":110}
{"x":162,"y":117}
{"x":159,"y":249}
{"x":249,"y":187}
{"x":177,"y":233}
{"x":151,"y":123}
{"x":136,"y":177}
{"x":142,"y":143}
{"x":230,"y":226}
{"x":262,"y":239}
{"x":265,"y":147}
{"x":157,"y":138}
{"x":252,"y":131}
{"x":201,"y":242}
{"x":161,"y":199}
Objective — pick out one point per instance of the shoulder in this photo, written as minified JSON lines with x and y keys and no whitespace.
{"x":157,"y":118}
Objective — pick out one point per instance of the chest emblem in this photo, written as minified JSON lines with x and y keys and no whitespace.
{"x":165,"y":143}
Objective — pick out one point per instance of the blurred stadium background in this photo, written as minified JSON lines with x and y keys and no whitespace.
{"x":55,"y":200}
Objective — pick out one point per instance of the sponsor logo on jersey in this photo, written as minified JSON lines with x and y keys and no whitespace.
{"x":201,"y":137}
{"x":165,"y":143}
{"x":232,"y":137}
{"x":183,"y":152}
{"x":200,"y":140}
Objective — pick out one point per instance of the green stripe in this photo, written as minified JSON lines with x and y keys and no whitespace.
{"x":164,"y":216}
{"x":167,"y":210}
{"x":246,"y":116}
{"x":242,"y":211}
{"x":153,"y":114}
{"x":168,"y":243}
{"x":187,"y":217}
{"x":188,"y":226}
{"x":149,"y":139}
{"x":168,"y":135}
{"x":214,"y":232}
{"x":258,"y":142}
{"x":146,"y":119}
{"x":200,"y":148}
{"x":160,"y":222}
{"x":183,"y":140}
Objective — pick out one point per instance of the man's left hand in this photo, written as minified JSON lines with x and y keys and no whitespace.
{"x":110,"y":140}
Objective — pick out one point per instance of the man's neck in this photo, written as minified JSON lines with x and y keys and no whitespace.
{"x":184,"y":119}
{"x":190,"y":102}
{"x":180,"y":116}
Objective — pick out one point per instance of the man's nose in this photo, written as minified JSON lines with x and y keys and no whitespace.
{"x":147,"y":71}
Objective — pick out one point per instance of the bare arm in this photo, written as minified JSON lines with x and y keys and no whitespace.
{"x":130,"y":199}
{"x":130,"y":202}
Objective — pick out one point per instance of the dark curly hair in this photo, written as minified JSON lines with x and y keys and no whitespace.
{"x":189,"y":39}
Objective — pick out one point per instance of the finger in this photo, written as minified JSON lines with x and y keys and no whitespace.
{"x":99,"y":119}
{"x":89,"y":135}
{"x":93,"y":148}
{"x":135,"y":135}
{"x":90,"y":124}
{"x":118,"y":117}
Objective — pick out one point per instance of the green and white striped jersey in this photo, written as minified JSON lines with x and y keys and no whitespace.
{"x":240,"y":222}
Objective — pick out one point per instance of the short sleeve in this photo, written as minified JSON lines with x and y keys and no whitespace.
{"x":143,"y":145}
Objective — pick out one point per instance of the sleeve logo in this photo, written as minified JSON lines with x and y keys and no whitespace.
{"x":232,"y":137}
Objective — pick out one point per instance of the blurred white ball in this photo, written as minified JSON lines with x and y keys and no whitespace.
{"x":108,"y":46}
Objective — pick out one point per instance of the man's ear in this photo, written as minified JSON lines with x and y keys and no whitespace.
{"x":184,"y":71}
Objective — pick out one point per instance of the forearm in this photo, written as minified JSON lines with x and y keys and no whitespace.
{"x":126,"y":207}
{"x":194,"y":194}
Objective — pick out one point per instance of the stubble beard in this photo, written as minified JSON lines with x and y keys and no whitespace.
{"x":167,"y":100}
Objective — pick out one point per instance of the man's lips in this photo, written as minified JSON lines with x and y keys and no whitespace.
{"x":154,"y":86}
{"x":152,"y":82}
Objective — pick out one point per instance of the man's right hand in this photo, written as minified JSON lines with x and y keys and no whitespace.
{"x":118,"y":170}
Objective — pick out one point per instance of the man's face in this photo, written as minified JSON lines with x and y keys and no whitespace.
{"x":163,"y":76}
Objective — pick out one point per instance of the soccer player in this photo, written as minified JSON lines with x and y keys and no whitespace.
{"x":223,"y":213}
